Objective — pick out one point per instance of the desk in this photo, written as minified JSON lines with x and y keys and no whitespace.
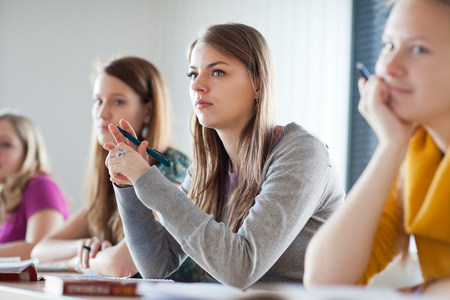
{"x":34,"y":290}
{"x":16,"y":290}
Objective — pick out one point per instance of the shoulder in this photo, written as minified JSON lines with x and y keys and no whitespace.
{"x":300,"y":164}
{"x":43,"y":192}
{"x":301,"y":156}
{"x":297,"y":141}
{"x":41,"y":181}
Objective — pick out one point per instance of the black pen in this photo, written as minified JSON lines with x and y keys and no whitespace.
{"x":152,"y":152}
{"x":363,"y":70}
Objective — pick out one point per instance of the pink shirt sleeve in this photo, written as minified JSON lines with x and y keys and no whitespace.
{"x":40,"y":193}
{"x":43,"y":193}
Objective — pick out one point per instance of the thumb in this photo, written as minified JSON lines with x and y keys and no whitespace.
{"x":109,"y":146}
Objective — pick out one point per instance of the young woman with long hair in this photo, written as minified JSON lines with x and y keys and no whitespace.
{"x":256,"y":191}
{"x":32,"y":204}
{"x":404,"y":191}
{"x":132,"y":88}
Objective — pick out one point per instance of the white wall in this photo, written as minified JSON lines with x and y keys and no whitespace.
{"x":47,"y":48}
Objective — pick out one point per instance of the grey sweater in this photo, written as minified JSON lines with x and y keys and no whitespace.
{"x":299,"y":192}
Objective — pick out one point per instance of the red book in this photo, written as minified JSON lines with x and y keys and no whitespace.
{"x":76,"y":285}
{"x":22,"y":270}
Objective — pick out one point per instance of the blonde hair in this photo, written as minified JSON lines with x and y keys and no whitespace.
{"x":35,"y":161}
{"x":99,"y":199}
{"x":211,"y":161}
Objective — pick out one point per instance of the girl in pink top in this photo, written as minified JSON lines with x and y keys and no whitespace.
{"x":31,"y":203}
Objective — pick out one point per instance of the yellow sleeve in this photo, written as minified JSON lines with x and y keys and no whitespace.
{"x":385,"y":245}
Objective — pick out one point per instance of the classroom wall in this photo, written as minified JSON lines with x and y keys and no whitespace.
{"x":47,"y":48}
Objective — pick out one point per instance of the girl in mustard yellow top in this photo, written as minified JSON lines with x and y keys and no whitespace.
{"x":405,"y":189}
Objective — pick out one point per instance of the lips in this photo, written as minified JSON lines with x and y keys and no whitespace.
{"x":202,"y":104}
{"x":103,"y":128}
{"x":399,"y":90}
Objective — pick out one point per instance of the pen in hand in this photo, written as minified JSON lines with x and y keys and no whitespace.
{"x":152,"y":152}
{"x":363,"y":70}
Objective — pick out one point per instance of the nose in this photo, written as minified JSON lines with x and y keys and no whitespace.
{"x":101,"y":111}
{"x":391,"y":64}
{"x":199,"y":84}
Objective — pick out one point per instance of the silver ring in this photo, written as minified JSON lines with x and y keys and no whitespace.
{"x":121,"y":153}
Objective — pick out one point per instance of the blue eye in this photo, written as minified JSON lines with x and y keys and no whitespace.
{"x":119,"y":102}
{"x":388,"y":46}
{"x":97,"y":101}
{"x":218,"y":73}
{"x":191,"y":75}
{"x":418,"y":49}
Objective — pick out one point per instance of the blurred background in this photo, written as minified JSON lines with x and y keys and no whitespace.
{"x":48,"y":47}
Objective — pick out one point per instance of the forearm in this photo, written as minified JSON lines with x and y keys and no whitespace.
{"x":50,"y":250}
{"x":341,"y":249}
{"x":155,"y":253}
{"x":69,"y":265}
{"x":18,"y":248}
{"x":65,"y":243}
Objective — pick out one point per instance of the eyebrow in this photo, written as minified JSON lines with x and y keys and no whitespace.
{"x":211,"y":64}
{"x":411,"y":38}
{"x":114,"y":94}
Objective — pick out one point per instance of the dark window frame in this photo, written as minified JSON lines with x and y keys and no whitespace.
{"x":369,"y":17}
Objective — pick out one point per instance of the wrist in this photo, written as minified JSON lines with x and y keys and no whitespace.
{"x":140,"y":172}
{"x":394,"y":146}
{"x":75,"y":264}
{"x":391,"y":153}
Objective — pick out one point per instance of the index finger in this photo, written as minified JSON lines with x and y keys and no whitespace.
{"x":117,"y":135}
{"x":361,"y":82}
{"x":127,"y":127}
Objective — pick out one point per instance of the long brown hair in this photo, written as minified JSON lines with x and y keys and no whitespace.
{"x":35,"y":161}
{"x":99,"y":199}
{"x":211,"y":161}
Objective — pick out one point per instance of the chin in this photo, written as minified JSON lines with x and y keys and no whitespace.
{"x":205,"y":123}
{"x":402,"y":113}
{"x":102,"y":139}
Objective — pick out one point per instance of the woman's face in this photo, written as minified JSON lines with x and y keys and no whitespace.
{"x":115,"y":100}
{"x":12,"y":150}
{"x":221,"y":90}
{"x":415,"y":61}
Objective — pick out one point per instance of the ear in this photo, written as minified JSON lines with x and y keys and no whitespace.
{"x":257,"y":94}
{"x":148,"y":107}
{"x":257,"y":88}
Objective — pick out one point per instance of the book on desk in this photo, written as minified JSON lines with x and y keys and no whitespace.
{"x":72,"y":285}
{"x":18,"y":270}
{"x":92,"y":284}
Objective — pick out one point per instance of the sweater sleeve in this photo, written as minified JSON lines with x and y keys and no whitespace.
{"x":386,"y":243}
{"x":152,"y":248}
{"x":297,"y":178}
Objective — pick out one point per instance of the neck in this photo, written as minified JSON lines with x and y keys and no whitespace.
{"x":230,"y":140}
